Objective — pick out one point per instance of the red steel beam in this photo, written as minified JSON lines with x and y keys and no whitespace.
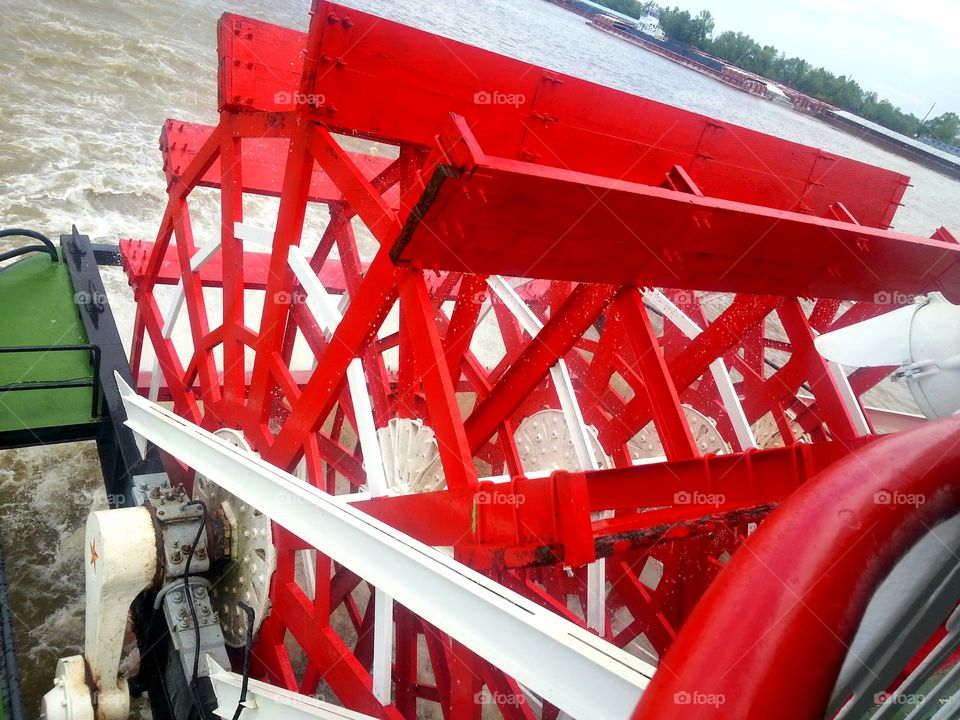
{"x":438,"y":388}
{"x":668,"y":415}
{"x":231,"y":256}
{"x":532,"y":521}
{"x":359,"y":326}
{"x":825,"y":390}
{"x":720,"y":336}
{"x":298,"y":171}
{"x":553,"y":341}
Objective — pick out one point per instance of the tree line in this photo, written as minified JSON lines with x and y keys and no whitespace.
{"x":741,"y":50}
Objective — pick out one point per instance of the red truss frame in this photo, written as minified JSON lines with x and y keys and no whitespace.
{"x":595,"y":195}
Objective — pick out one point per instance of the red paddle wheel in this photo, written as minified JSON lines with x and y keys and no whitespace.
{"x":563,"y":331}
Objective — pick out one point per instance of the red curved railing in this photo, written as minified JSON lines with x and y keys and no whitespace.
{"x":768,"y":638}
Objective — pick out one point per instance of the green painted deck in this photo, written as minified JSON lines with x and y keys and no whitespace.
{"x":37,"y":307}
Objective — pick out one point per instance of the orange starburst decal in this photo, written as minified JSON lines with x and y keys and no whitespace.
{"x":93,"y":554}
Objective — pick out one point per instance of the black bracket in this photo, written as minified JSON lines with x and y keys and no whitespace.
{"x":120,"y":457}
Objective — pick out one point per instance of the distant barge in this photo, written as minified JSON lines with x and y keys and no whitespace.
{"x":915,"y":150}
{"x":681,"y":54}
{"x":924,"y":154}
{"x":691,"y":58}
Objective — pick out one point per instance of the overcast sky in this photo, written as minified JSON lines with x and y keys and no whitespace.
{"x":908,"y":52}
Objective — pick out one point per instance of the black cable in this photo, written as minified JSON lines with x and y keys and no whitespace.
{"x":17,"y":252}
{"x":186,"y":587}
{"x":48,"y":246}
{"x":246,"y":658}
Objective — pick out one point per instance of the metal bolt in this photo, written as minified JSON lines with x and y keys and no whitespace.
{"x":197,"y":591}
{"x":176,"y":558}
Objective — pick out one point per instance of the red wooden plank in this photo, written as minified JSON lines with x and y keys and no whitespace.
{"x":263,"y":163}
{"x":384,"y":80}
{"x":255,"y":268}
{"x":392,"y":82}
{"x":260,"y":64}
{"x":498,"y":216}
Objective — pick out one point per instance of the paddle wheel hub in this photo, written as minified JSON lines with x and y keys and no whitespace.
{"x":251,"y":550}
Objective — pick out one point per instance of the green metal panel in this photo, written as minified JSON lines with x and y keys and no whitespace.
{"x":38,"y":307}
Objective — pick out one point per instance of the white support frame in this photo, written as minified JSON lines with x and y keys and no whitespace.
{"x":848,"y":397}
{"x":268,"y":702}
{"x":328,"y":317}
{"x":569,"y":666}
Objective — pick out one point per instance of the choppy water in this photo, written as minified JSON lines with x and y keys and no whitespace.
{"x":86,"y":86}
